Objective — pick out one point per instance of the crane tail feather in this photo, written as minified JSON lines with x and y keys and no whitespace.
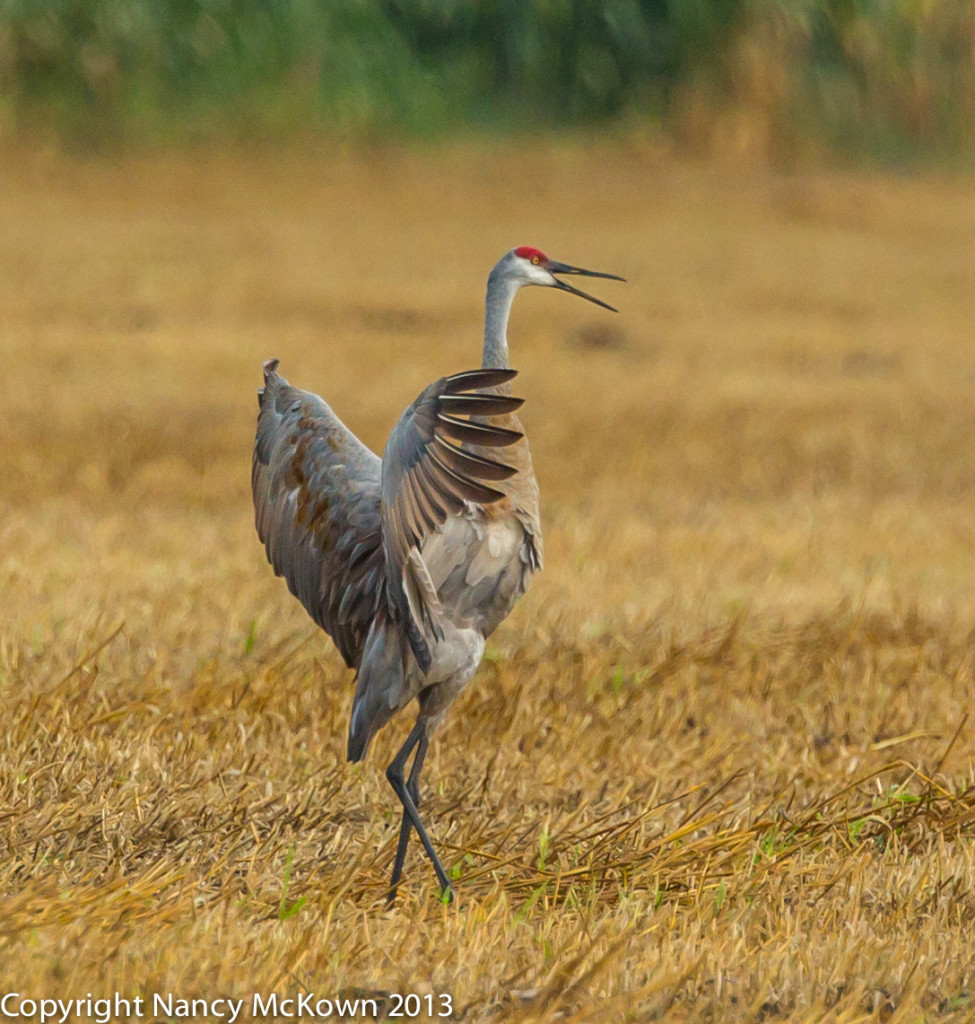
{"x":379,"y":685}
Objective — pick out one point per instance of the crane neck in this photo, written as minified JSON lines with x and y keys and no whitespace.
{"x":500,"y":294}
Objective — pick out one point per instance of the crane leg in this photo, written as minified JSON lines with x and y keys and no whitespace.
{"x":408,"y":791}
{"x":413,"y":788}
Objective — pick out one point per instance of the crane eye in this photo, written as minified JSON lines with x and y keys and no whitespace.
{"x":535,"y":260}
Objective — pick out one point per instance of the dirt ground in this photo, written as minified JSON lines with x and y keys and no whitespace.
{"x":719,"y":763}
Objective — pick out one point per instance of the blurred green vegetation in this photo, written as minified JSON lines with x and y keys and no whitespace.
{"x":879,"y":76}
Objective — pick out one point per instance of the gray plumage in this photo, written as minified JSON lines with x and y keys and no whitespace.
{"x":408,"y":562}
{"x":358,"y":539}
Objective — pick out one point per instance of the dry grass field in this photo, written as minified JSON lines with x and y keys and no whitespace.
{"x":719,"y":765}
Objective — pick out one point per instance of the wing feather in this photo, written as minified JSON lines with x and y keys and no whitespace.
{"x":346,"y":529}
{"x":425,"y":479}
{"x":317,"y":509}
{"x":476,"y":433}
{"x":480,"y":405}
{"x":485,"y":377}
{"x":467,"y":463}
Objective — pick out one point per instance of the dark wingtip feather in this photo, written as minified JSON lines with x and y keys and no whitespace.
{"x":476,"y":433}
{"x":473,"y":380}
{"x":481,"y":405}
{"x":460,"y":484}
{"x":470,"y":465}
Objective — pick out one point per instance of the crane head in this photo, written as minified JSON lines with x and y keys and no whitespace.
{"x":531,"y":266}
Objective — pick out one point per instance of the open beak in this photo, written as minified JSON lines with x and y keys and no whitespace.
{"x":563,"y":268}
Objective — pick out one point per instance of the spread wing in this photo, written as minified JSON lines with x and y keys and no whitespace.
{"x":344,"y":528}
{"x":426,"y":477}
{"x":317,"y":509}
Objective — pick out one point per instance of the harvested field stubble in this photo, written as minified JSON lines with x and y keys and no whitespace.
{"x":718,"y":765}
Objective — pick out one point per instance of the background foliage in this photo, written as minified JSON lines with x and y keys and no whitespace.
{"x":887,"y":76}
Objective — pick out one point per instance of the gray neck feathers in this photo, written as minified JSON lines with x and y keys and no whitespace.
{"x":500,"y":295}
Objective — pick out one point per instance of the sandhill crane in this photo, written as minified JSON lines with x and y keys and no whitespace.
{"x":410,"y":561}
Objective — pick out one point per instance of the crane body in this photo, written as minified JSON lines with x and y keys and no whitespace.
{"x":408,"y":562}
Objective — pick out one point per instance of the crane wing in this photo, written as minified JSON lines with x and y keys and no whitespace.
{"x":317,"y":509}
{"x":426,"y":477}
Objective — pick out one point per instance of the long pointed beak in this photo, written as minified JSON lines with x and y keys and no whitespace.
{"x":563,"y":268}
